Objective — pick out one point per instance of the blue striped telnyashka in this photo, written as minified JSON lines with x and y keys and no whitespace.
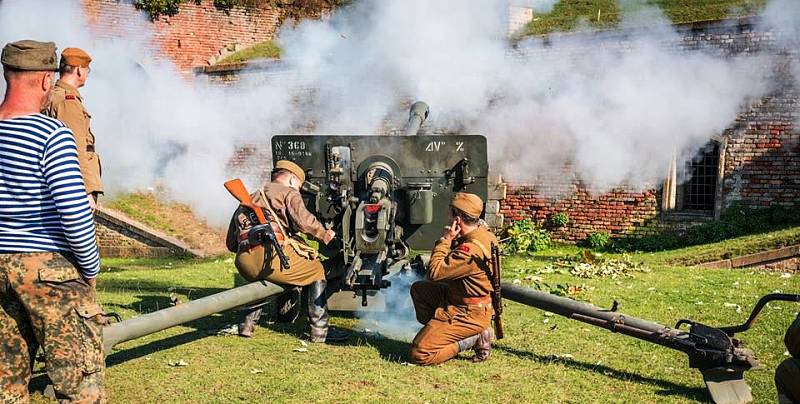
{"x":43,"y":202}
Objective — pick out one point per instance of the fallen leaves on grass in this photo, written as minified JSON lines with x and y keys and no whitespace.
{"x":587,"y":264}
{"x":178,"y":363}
{"x":256,"y":371}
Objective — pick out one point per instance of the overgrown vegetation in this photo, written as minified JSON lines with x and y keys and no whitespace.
{"x":524,"y":237}
{"x":568,"y":15}
{"x":598,"y":240}
{"x":559,"y":220}
{"x":261,"y":50}
{"x":294,"y":9}
{"x":735,"y":221}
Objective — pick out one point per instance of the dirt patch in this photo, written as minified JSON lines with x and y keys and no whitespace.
{"x":172,"y":218}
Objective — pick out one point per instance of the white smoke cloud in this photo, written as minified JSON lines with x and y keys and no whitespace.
{"x":615,"y":113}
{"x":539,"y":6}
{"x":784,"y":17}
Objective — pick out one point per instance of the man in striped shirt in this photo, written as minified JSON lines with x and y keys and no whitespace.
{"x":48,"y":254}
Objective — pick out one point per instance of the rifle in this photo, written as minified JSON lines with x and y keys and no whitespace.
{"x":263,"y":232}
{"x":497,"y":296}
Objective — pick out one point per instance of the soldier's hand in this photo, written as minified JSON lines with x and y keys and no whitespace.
{"x":91,"y":281}
{"x":451,"y":232}
{"x":92,"y":203}
{"x":329,"y":235}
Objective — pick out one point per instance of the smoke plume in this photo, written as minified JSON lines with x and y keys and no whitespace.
{"x":614,"y":112}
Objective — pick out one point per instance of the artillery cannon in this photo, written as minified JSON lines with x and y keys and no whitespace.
{"x":380,"y":194}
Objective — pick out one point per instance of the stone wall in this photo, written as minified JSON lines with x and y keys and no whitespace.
{"x":197,"y":33}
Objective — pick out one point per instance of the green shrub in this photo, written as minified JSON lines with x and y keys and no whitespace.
{"x":735,"y":221}
{"x":598,"y":240}
{"x":524,"y":236}
{"x":559,"y":219}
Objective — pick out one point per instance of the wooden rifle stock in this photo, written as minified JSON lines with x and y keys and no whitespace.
{"x":239,"y":191}
{"x":497,"y":296}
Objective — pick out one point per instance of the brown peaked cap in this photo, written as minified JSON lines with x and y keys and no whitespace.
{"x":470,"y":204}
{"x":75,"y":57}
{"x":291,"y":167}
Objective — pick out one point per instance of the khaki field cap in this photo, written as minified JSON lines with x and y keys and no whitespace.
{"x":75,"y":57}
{"x":291,"y":167}
{"x":470,"y":204}
{"x":30,"y":56}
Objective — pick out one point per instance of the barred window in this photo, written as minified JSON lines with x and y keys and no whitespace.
{"x":700,"y":188}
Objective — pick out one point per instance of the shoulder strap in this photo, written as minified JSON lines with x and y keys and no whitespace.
{"x":483,"y":248}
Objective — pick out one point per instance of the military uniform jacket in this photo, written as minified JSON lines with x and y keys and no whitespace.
{"x":464,"y":264}
{"x":290,"y":213}
{"x":66,"y":105}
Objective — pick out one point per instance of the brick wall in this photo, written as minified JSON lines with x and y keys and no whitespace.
{"x":191,"y":37}
{"x":761,"y":148}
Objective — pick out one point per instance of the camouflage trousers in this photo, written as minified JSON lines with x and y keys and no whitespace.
{"x":445,"y":323}
{"x":44,"y":302}
{"x":787,"y":381}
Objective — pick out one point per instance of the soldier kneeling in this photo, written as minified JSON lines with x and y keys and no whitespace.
{"x":787,"y":376}
{"x":455,"y":305}
{"x":282,"y":200}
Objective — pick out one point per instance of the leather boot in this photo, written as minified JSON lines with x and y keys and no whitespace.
{"x":483,"y":346}
{"x":251,"y":317}
{"x":318,"y":315}
{"x":467,"y":343}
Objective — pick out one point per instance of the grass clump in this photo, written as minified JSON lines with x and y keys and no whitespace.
{"x":524,"y":236}
{"x":261,"y":50}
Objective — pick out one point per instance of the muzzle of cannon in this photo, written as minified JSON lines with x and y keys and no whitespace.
{"x":183,"y":313}
{"x":721,"y":358}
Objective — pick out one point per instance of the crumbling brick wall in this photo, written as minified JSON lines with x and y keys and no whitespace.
{"x":190,"y":37}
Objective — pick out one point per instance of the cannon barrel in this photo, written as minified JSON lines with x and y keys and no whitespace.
{"x":162,"y":319}
{"x":416,"y":116}
{"x":610,"y":320}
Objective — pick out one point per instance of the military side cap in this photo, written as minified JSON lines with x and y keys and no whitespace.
{"x":75,"y":57}
{"x":470,"y":204}
{"x":30,"y":55}
{"x":291,"y":167}
{"x":792,"y":338}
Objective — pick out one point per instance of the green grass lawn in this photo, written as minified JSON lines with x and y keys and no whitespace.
{"x":568,"y":15}
{"x":542,"y":359}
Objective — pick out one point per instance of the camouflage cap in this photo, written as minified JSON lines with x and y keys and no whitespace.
{"x":792,"y":338}
{"x":30,"y":55}
{"x":75,"y":57}
{"x":470,"y":204}
{"x":291,"y":167}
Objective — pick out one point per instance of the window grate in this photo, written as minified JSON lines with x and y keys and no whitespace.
{"x":700,"y":190}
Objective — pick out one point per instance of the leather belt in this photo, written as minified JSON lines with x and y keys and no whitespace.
{"x":475,"y":300}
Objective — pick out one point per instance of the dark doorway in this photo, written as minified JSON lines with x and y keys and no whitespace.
{"x":702,"y":172}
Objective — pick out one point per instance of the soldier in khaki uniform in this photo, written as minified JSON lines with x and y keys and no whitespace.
{"x":455,"y":305}
{"x":66,"y":105}
{"x":787,"y":376}
{"x":281,"y":198}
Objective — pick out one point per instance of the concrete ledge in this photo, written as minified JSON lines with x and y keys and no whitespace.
{"x":170,"y":244}
{"x":761,"y":258}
